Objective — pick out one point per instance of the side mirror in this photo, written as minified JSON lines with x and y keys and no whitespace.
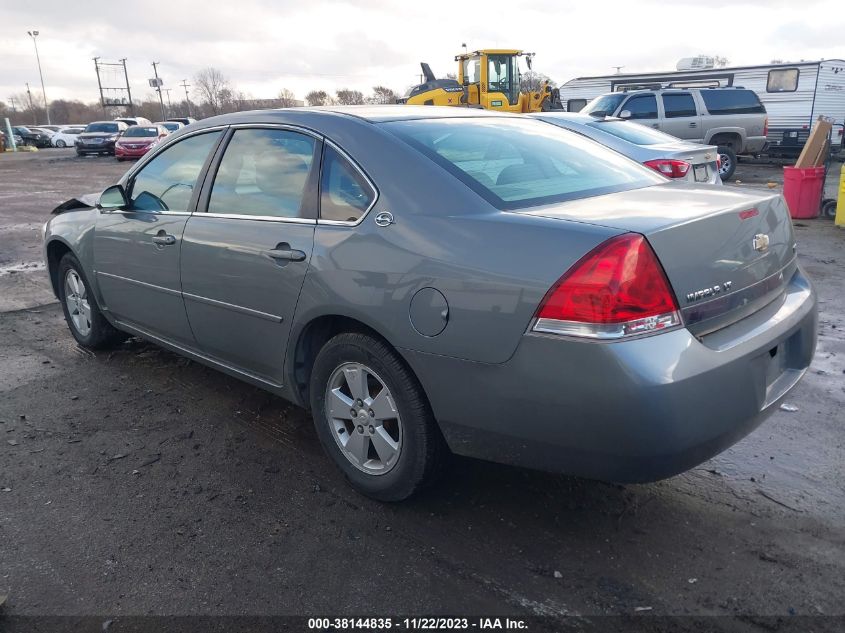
{"x":625,"y":114}
{"x":112,"y":199}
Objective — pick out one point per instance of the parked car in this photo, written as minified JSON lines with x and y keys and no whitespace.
{"x":138,"y":140}
{"x":426,"y":279}
{"x":134,"y":120}
{"x":99,"y":137}
{"x":731,"y":118}
{"x":666,"y":154}
{"x":32,"y":137}
{"x":170,"y":126}
{"x":184,"y":120}
{"x":52,"y":128}
{"x":66,"y":136}
{"x":7,"y":143}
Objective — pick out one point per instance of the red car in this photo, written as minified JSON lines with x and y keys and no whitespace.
{"x":137,"y":140}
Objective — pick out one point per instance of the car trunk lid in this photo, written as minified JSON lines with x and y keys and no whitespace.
{"x":726,"y":252}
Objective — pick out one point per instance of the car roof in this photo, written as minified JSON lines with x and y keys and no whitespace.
{"x":368,"y":113}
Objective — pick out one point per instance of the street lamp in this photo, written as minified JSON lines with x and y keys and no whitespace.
{"x":33,"y":35}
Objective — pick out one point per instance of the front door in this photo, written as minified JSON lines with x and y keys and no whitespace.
{"x":246,"y":251}
{"x":137,"y":249}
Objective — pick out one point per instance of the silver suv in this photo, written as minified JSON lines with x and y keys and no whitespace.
{"x":731,"y":118}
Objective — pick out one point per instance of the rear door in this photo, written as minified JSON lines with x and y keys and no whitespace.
{"x":680,"y":116}
{"x":246,"y":251}
{"x":137,"y":249}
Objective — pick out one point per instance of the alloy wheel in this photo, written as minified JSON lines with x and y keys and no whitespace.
{"x":363,"y":418}
{"x":725,"y":165}
{"x":76,"y":299}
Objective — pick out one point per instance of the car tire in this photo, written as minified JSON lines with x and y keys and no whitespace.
{"x":728,"y":166}
{"x":61,"y":143}
{"x":82,"y":312}
{"x":419,"y":452}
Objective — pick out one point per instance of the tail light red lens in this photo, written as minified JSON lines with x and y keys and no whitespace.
{"x":618,"y":289}
{"x":669,"y":167}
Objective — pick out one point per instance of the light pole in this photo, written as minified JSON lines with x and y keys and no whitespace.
{"x":33,"y":35}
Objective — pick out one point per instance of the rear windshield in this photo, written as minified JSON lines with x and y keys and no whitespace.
{"x":139,"y":130}
{"x":514,"y":163}
{"x":102,"y":127}
{"x":732,"y":102}
{"x":633,"y":132}
{"x":604,"y":105}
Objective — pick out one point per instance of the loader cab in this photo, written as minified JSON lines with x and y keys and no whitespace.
{"x":492,"y":78}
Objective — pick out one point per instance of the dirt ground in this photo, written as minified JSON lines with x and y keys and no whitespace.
{"x":136,"y":482}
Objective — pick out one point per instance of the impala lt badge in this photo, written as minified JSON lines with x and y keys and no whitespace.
{"x":761,"y":242}
{"x":712,"y":291}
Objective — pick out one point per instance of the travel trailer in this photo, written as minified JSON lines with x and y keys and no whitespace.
{"x":794,"y":94}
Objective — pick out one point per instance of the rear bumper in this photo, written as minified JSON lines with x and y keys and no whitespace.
{"x":754,"y":144}
{"x":631,"y":411}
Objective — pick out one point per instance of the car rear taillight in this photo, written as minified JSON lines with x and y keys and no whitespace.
{"x":669,"y":167}
{"x":616,"y":290}
{"x":766,"y":126}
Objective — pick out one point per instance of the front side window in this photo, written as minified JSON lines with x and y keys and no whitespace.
{"x":264,"y":172}
{"x":521,"y":163}
{"x":345,"y":195}
{"x":641,"y":107}
{"x":782,"y":80}
{"x":678,"y":104}
{"x":167,"y":182}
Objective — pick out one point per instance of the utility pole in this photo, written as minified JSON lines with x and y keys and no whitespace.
{"x":100,"y":84}
{"x":128,"y":91}
{"x":185,"y":85}
{"x":169,"y":106}
{"x":31,"y":106}
{"x":158,"y":89}
{"x":33,"y":35}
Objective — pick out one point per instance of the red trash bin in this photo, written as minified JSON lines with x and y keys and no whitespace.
{"x":802,"y":189}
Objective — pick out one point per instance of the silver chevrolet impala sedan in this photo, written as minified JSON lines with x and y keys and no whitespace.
{"x":430,"y":280}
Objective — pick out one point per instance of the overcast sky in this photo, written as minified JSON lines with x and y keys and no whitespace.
{"x":264,"y":46}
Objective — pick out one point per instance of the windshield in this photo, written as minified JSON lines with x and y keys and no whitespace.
{"x":170,"y":126}
{"x":140,"y":130}
{"x":111,"y":128}
{"x":633,"y":132}
{"x":604,"y":105}
{"x":515,"y":163}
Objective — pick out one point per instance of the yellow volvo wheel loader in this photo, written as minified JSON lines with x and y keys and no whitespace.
{"x":488,"y":78}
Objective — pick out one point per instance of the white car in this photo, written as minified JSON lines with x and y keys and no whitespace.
{"x":66,"y":136}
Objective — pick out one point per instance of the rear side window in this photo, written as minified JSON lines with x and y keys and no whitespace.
{"x":678,"y":104}
{"x":732,"y":102}
{"x":345,"y":195}
{"x":263,"y":173}
{"x":641,"y":107}
{"x":782,"y":80}
{"x":514,"y":163}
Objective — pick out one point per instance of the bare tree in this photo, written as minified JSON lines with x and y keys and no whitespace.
{"x":382,"y":94}
{"x":318,"y":98}
{"x":533,"y":81}
{"x":345,"y":96}
{"x":286,"y":98}
{"x":212,"y":87}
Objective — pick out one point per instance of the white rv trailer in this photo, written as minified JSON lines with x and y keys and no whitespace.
{"x":794,"y":94}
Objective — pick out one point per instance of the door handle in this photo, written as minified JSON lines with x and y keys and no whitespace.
{"x":162,"y":239}
{"x":284,"y":253}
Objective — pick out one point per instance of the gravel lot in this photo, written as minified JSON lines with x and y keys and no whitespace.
{"x":137,"y":482}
